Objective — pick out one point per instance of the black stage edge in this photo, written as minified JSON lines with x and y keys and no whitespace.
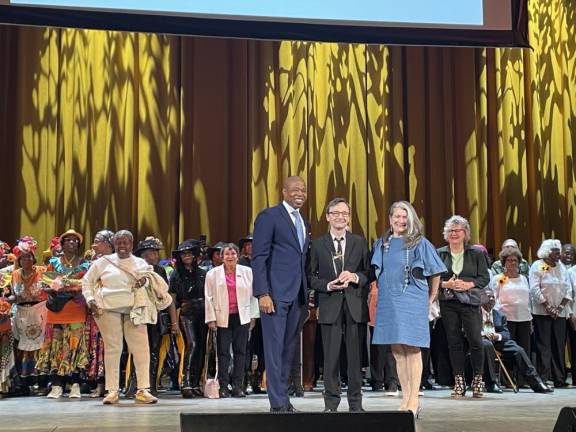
{"x":566,"y":420}
{"x":381,"y":421}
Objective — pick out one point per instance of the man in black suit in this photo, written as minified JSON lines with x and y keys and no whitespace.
{"x":339,"y":270}
{"x":496,"y":336}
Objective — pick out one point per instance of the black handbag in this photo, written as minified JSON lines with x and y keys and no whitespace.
{"x":164,"y":323}
{"x":57,"y":301}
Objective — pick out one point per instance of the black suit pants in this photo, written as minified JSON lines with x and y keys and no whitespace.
{"x":332,"y":341}
{"x":511,"y":352}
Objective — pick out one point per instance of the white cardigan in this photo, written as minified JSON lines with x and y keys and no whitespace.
{"x":216,"y":296}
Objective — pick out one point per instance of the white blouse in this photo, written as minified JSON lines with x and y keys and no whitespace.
{"x":512,"y":297}
{"x":551,"y":284}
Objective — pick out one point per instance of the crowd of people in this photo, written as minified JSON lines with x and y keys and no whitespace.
{"x":279,"y":312}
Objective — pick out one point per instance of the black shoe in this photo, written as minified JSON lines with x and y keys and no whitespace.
{"x":427,"y":385}
{"x":493,"y":388}
{"x":187,"y":393}
{"x":561,"y":384}
{"x":237,"y":392}
{"x":377,"y":387}
{"x":296,"y":390}
{"x":290,"y":408}
{"x":538,"y":386}
{"x":356,"y":410}
{"x":224,"y":393}
{"x":278,"y":410}
{"x":328,"y":410}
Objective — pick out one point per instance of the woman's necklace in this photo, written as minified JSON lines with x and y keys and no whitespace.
{"x":386,"y":247}
{"x":26,"y":277}
{"x":66,"y":262}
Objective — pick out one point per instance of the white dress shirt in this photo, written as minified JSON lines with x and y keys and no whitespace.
{"x":512,"y":297}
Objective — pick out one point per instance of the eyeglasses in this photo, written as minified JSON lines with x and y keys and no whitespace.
{"x":339,"y":213}
{"x":455,"y":231}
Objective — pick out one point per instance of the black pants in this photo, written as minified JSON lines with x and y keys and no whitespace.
{"x":194,"y":331}
{"x":510,"y":351}
{"x":154,"y":341}
{"x":382,"y":365}
{"x":235,"y":336}
{"x":550,"y":340}
{"x":520,"y":333}
{"x":457,"y":316}
{"x":256,"y":348}
{"x":440,"y":354}
{"x":571,"y":340}
{"x":332,"y":334}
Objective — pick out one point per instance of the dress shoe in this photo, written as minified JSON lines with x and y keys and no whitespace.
{"x":278,"y":410}
{"x":493,"y":388}
{"x":237,"y":392}
{"x":328,"y":410}
{"x":377,"y":387}
{"x":538,"y":386}
{"x":357,"y":410}
{"x":290,"y":408}
{"x":296,"y":390}
{"x":224,"y":393}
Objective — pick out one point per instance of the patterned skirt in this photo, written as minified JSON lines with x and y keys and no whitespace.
{"x":65,"y":350}
{"x":6,"y":359}
{"x":95,"y":369}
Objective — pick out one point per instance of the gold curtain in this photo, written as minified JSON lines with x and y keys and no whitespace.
{"x":177,"y":136}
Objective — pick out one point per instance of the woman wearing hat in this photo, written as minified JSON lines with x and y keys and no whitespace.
{"x":64,"y":354}
{"x":103,"y":244}
{"x":187,"y":286}
{"x":30,"y":319}
{"x":149,"y":250}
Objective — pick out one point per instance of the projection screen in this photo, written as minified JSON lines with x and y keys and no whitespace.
{"x":410,"y":22}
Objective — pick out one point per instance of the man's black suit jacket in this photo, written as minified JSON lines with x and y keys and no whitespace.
{"x":321,"y":271}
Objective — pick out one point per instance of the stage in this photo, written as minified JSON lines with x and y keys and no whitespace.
{"x":506,"y":412}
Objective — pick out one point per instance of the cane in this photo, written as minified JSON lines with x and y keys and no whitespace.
{"x":502,"y":367}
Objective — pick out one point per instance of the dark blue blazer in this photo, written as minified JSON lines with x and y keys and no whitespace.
{"x":278,"y":263}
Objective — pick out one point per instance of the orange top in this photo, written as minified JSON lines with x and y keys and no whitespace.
{"x":73,"y":312}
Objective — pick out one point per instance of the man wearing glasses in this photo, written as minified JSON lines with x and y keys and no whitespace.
{"x":340,"y":272}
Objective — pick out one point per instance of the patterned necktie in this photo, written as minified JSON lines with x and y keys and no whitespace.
{"x":299,"y":228}
{"x":339,"y":262}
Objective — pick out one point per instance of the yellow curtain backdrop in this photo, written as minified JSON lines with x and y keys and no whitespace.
{"x":178,"y":136}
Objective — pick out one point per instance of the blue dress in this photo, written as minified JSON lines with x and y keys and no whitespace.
{"x":402,"y":309}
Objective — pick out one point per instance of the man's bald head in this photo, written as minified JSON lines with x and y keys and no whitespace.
{"x":294,"y":191}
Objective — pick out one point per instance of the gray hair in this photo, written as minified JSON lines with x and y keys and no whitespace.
{"x":232,"y":246}
{"x":123,"y":233}
{"x":457,"y":220}
{"x":415,"y":229}
{"x":334,"y":202}
{"x":547,"y":246}
{"x":508,"y":252}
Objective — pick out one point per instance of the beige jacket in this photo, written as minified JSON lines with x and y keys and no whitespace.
{"x":216,"y":296}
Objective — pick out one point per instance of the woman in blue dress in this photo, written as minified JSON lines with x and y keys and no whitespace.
{"x":408,"y":272}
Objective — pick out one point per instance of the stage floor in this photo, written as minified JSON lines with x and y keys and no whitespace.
{"x":507,"y":412}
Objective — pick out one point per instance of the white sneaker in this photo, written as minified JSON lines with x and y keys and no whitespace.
{"x":75,"y":391}
{"x":55,"y":393}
